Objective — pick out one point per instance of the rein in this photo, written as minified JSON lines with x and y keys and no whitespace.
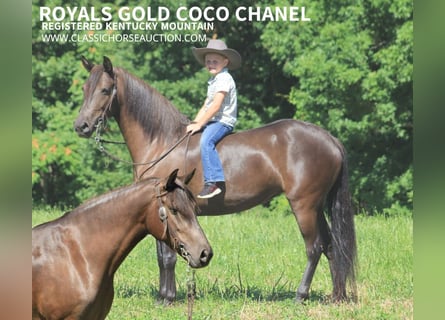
{"x":191,"y":291}
{"x":101,"y":148}
{"x":152,"y":163}
{"x":99,"y":141}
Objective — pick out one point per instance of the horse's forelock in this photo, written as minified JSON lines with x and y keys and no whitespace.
{"x":93,"y":79}
{"x":184,"y":198}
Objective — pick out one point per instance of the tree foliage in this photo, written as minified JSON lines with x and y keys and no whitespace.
{"x":354,"y":77}
{"x":348,"y":70}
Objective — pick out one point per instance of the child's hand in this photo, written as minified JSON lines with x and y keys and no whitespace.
{"x":193,"y":127}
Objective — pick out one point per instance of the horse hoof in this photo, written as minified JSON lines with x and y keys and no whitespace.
{"x":301,"y":298}
{"x":164,"y":301}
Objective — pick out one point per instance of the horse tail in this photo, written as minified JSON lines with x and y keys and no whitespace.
{"x":344,"y":247}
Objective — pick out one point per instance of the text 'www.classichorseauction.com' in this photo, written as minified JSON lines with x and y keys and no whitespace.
{"x":146,"y":24}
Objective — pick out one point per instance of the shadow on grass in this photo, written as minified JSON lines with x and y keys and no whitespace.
{"x":254,"y":293}
{"x":233,"y":292}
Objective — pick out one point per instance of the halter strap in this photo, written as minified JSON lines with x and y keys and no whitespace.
{"x":113,"y":95}
{"x":162,"y":211}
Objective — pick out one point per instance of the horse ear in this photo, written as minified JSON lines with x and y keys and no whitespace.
{"x":171,"y":184}
{"x":189,"y":176}
{"x":108,"y":66}
{"x":87,"y":64}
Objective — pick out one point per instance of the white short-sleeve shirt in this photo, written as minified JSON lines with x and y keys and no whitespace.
{"x":223,"y":82}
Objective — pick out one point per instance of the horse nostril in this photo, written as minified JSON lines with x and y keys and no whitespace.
{"x":82,"y":128}
{"x":205,"y":256}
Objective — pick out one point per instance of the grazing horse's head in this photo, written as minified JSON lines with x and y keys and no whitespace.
{"x":99,"y":92}
{"x":177,"y":224}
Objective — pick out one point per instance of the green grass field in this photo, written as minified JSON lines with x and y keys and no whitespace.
{"x":259,"y":258}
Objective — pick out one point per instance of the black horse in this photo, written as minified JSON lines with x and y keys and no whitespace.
{"x":296,"y":158}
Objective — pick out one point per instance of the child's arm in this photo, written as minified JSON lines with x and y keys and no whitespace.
{"x":201,"y":112}
{"x":204,"y":115}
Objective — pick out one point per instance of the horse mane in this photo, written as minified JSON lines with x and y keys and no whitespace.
{"x":104,"y":199}
{"x":112,"y":195}
{"x":154,"y":112}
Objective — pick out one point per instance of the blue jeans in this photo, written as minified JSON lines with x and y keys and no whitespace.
{"x":211,"y":165}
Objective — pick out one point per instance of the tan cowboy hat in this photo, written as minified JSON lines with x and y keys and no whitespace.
{"x":219,"y":47}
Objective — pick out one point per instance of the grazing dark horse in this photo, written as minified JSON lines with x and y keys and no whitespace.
{"x":74,"y":257}
{"x":296,"y":158}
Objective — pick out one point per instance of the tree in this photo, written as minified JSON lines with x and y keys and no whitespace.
{"x":348,"y":70}
{"x":353,"y":68}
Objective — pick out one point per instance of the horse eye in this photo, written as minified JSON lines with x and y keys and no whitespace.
{"x":106,"y":91}
{"x":174,"y":211}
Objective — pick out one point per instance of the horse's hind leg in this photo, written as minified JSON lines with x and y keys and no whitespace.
{"x":167,"y":281}
{"x":313,"y":257}
{"x":312,"y":225}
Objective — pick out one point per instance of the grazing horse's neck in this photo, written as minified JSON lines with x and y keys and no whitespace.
{"x":115,"y":222}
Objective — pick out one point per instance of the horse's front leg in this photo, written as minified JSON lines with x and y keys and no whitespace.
{"x":166,"y":263}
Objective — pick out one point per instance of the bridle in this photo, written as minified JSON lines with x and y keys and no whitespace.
{"x":101,"y":124}
{"x":163,"y":213}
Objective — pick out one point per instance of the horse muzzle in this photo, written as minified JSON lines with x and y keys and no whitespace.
{"x":196,"y":261}
{"x":83,"y":129}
